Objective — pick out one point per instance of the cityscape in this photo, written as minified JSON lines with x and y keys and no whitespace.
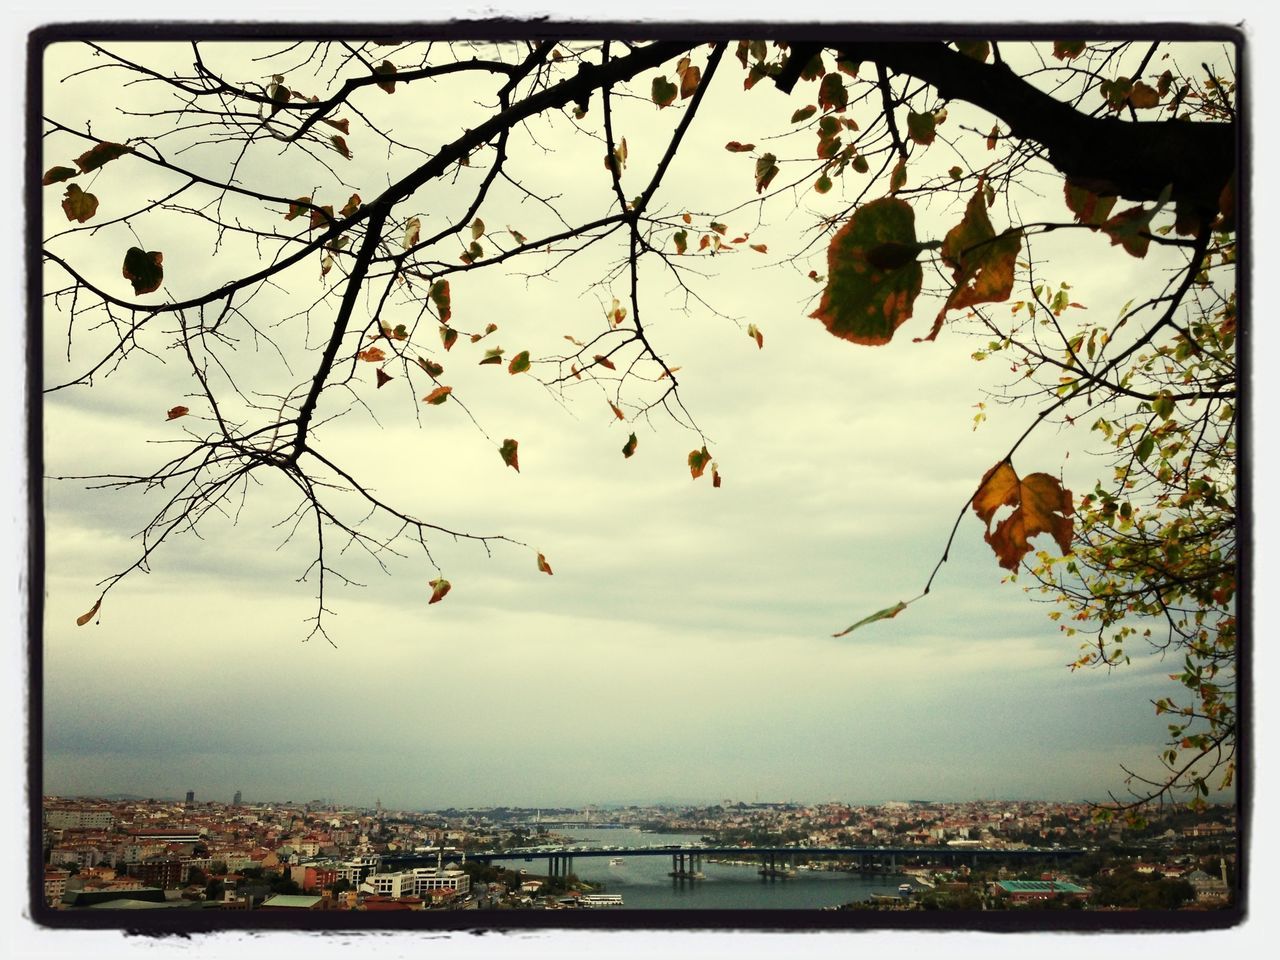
{"x":128,"y":853}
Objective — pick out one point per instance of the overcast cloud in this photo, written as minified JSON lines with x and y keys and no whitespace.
{"x":683,"y":648}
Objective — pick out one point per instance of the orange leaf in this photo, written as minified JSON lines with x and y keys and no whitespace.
{"x":438,"y":589}
{"x":438,"y":396}
{"x":177,"y":412}
{"x":1040,"y":503}
{"x":981,"y":262}
{"x":372,"y":355}
{"x":616,"y":412}
{"x":604,"y":362}
{"x":698,"y":460}
{"x":543,"y":565}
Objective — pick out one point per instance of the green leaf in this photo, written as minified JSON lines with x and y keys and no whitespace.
{"x":439,"y":294}
{"x":477,"y":228}
{"x":1068,"y":49}
{"x":509,"y":450}
{"x":144,"y":269}
{"x":898,"y":177}
{"x":1087,"y":206}
{"x":888,"y":613}
{"x":681,"y":238}
{"x":438,"y":587}
{"x":1162,"y":406}
{"x":864,"y":303}
{"x":922,"y":127}
{"x":832,"y":94}
{"x":79,"y":205}
{"x":822,"y":184}
{"x":519,"y":363}
{"x":103,"y":153}
{"x":804,"y":113}
{"x":57,"y":175}
{"x":629,"y":447}
{"x":1145,"y":446}
{"x":448,"y":336}
{"x":663,"y":91}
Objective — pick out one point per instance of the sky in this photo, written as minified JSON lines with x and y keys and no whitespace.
{"x":683,"y":649}
{"x":24,"y":15}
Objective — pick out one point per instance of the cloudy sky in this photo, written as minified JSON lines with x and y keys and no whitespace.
{"x":682,"y":650}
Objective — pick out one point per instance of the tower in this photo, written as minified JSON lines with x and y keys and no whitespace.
{"x":235,"y":801}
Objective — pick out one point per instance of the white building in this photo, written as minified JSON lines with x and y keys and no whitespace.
{"x":77,"y":818}
{"x":419,"y":882}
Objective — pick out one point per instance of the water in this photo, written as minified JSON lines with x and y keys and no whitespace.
{"x":644,"y":885}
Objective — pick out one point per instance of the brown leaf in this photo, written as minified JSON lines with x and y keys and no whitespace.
{"x":383,"y":378}
{"x":57,"y":175}
{"x":372,"y":355}
{"x":510,"y":454}
{"x":438,"y":396}
{"x":604,"y":362}
{"x":981,"y":262}
{"x":177,"y":412}
{"x":78,"y":205}
{"x":616,"y":412}
{"x":543,"y":566}
{"x":85,"y":618}
{"x":1041,"y":505}
{"x":144,"y":269}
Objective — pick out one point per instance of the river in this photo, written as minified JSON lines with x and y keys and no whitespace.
{"x":644,"y":884}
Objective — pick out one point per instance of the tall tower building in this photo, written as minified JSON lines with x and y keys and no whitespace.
{"x":235,"y":801}
{"x":191,"y":797}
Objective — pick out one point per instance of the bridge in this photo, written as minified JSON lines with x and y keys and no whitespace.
{"x":686,"y":860}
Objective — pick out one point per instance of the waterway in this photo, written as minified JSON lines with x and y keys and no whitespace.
{"x":644,"y":884}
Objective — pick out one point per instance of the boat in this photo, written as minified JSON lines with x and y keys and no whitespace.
{"x":904,"y":889}
{"x":592,"y":900}
{"x":615,"y":861}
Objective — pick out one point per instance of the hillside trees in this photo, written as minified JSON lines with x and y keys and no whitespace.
{"x":214,"y":177}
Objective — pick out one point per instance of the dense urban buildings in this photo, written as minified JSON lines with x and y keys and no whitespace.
{"x":318,"y":855}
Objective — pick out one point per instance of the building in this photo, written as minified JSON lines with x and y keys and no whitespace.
{"x":419,"y":882}
{"x":191,"y":797}
{"x":282,"y":901}
{"x":55,"y":884}
{"x":235,"y":801}
{"x":78,"y":818}
{"x":311,"y":877}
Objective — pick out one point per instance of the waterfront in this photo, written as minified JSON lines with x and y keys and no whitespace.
{"x":644,"y":884}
